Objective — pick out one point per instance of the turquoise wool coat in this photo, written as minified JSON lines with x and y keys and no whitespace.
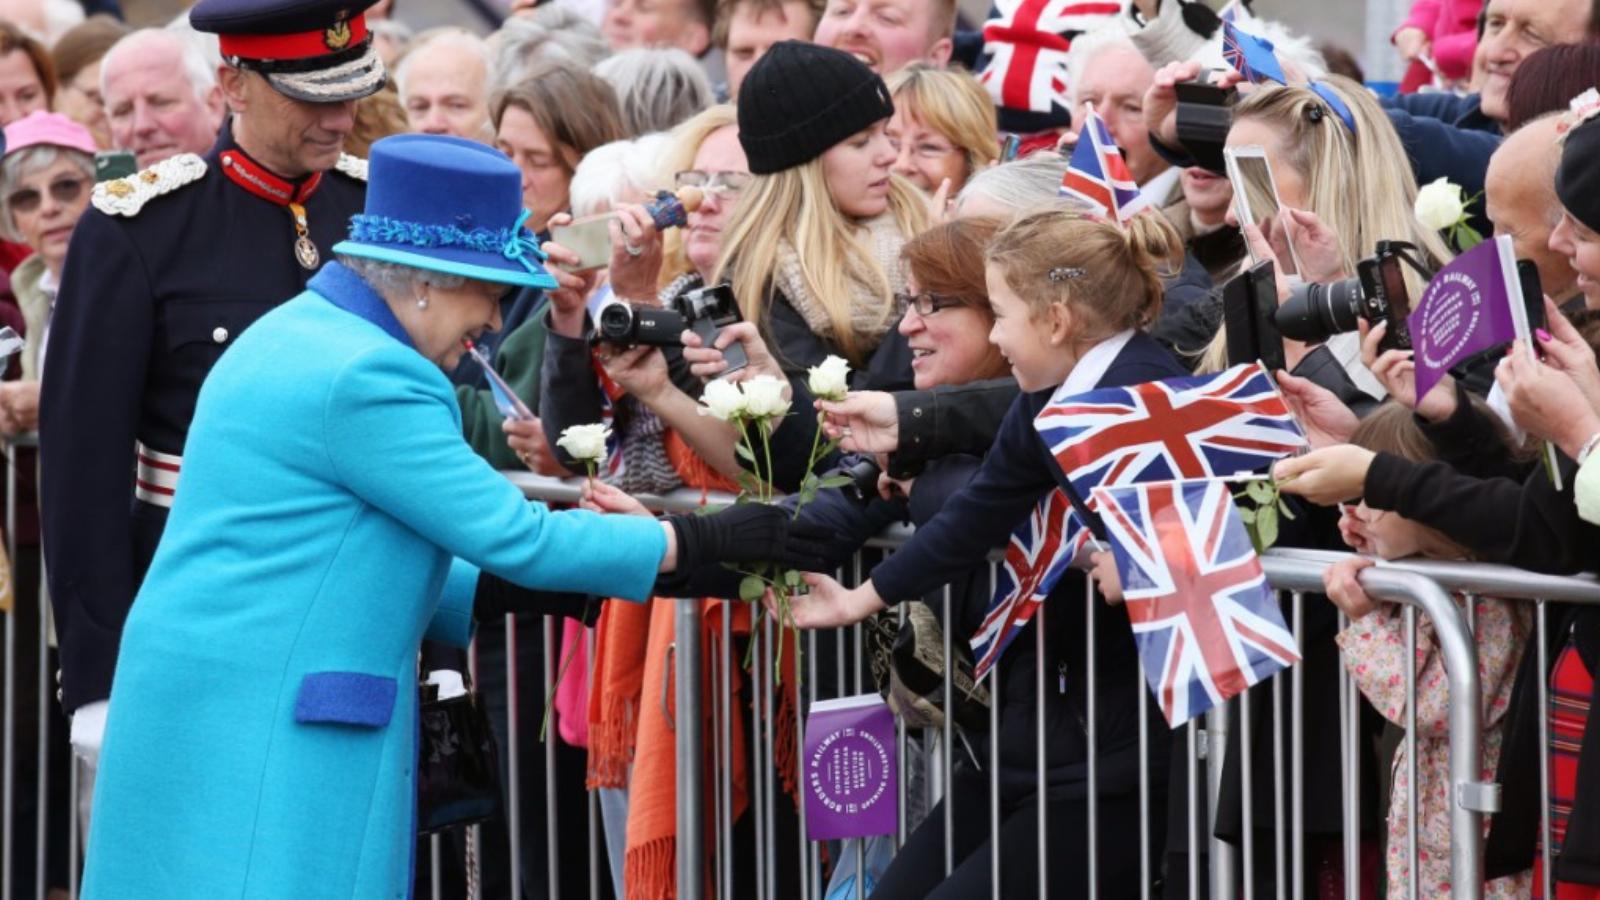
{"x":262,"y":736}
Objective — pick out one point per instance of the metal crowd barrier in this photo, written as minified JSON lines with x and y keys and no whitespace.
{"x":707,"y":862}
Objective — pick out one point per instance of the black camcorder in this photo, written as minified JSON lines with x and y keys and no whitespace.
{"x":1315,"y":312}
{"x":704,"y":311}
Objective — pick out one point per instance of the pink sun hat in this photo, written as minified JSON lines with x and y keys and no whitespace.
{"x":50,"y":128}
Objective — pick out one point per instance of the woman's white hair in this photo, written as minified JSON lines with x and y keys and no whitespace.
{"x":610,"y":171}
{"x":551,"y":33}
{"x":657,"y":88}
{"x":28,"y":161}
{"x":397,"y":280}
{"x":1018,"y":185}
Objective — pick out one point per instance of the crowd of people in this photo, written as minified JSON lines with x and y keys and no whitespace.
{"x":248,"y":252}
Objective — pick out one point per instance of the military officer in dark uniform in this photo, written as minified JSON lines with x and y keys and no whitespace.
{"x":164,"y":272}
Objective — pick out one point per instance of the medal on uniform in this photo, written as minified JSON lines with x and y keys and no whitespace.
{"x":304,"y":251}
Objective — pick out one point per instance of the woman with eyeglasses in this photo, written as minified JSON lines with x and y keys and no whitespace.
{"x":45,"y":181}
{"x":943,"y":127}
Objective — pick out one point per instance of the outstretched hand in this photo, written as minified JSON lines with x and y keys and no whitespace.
{"x":829,"y":604}
{"x":600,"y":497}
{"x":1324,"y":416}
{"x":863,"y":422}
{"x":1326,"y":476}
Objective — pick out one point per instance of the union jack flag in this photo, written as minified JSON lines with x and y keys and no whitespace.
{"x":1027,"y":43}
{"x":1205,"y":621}
{"x":1235,"y":11}
{"x":1250,"y":56}
{"x":1098,"y":175}
{"x":1192,"y":427}
{"x":1038,"y":554}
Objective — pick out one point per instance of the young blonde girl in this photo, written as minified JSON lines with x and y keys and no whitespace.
{"x":1374,"y":651}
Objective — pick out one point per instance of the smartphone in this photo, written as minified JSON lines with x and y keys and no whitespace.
{"x":1532,"y":299}
{"x":1255,"y":196}
{"x":1249,"y":304}
{"x":590,"y":238}
{"x":1010,"y":143}
{"x":1397,"y":297}
{"x":109,"y":164}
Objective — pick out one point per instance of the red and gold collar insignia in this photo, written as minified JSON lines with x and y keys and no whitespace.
{"x":248,"y":174}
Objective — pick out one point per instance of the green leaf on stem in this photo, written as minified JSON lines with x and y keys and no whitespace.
{"x":751,"y":587}
{"x":836,"y":481}
{"x":792,"y":578}
{"x":743,"y":452}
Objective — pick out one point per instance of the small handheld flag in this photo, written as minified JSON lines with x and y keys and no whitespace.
{"x":1098,"y":175}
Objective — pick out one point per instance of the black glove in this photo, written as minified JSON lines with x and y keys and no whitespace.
{"x":497,"y":597}
{"x":747,"y":533}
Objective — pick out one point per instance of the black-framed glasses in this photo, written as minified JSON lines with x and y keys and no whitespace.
{"x":925,"y":303}
{"x":724,"y":183}
{"x":64,"y":190}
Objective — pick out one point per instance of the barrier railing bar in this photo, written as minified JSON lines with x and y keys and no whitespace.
{"x":1297,"y":784}
{"x":994,"y":779}
{"x":770,"y":703}
{"x":901,"y":747}
{"x":1247,"y":795}
{"x":1214,"y":752}
{"x":757,"y":779}
{"x":552,"y":829}
{"x":1091,"y":684}
{"x":1144,"y":786}
{"x":436,"y":866}
{"x":1041,"y":786}
{"x":513,"y":758}
{"x":690,"y":745}
{"x":811,"y":687}
{"x":475,"y":832}
{"x":1413,"y":858}
{"x":1192,"y":807}
{"x":1546,"y":878}
{"x":810,"y":885}
{"x":1352,"y":824}
{"x":949,"y":740}
{"x":8,"y":753}
{"x":725,"y":770}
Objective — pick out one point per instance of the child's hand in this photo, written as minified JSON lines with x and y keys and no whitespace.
{"x":1353,"y":530}
{"x":1343,"y":588}
{"x":603,"y":498}
{"x":1104,"y":573}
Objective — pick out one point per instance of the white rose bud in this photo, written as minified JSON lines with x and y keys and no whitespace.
{"x":585,"y":443}
{"x":722,"y":400}
{"x":1440,"y":205}
{"x":829,"y":381}
{"x":763,"y":397}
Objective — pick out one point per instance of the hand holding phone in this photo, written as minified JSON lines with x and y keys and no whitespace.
{"x":588,"y":237}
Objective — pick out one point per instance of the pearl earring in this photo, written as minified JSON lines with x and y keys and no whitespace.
{"x":422,"y":303}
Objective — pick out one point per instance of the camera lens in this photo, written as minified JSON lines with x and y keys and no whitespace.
{"x":1315,"y":312}
{"x":614,"y":324}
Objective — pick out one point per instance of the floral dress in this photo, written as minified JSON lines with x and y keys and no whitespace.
{"x":1374,"y":652}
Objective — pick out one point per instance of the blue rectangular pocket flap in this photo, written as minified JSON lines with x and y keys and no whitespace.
{"x":348,"y":698}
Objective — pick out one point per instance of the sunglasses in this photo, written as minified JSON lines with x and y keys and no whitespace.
{"x":722,"y":183}
{"x":925,"y":303}
{"x":63,"y":190}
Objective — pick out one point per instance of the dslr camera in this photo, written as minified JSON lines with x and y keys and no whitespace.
{"x":1315,"y":312}
{"x":704,"y":311}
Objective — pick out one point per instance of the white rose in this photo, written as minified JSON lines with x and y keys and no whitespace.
{"x":1440,"y":205}
{"x":722,"y":400}
{"x":763,"y":397}
{"x":829,"y":381}
{"x":585,"y":443}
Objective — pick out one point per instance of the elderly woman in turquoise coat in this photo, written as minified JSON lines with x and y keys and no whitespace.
{"x":262,"y":733}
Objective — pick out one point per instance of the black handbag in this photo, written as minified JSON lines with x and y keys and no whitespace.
{"x":458,"y":762}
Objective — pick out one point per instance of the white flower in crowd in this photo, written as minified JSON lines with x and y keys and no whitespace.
{"x":585,"y":443}
{"x":763,"y":397}
{"x":830,"y":381}
{"x":1440,"y":205}
{"x":723,"y":400}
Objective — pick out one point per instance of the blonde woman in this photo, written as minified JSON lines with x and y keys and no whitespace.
{"x":943,"y":127}
{"x":1335,"y":166}
{"x":811,"y":250}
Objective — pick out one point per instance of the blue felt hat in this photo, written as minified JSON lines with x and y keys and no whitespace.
{"x":446,"y":205}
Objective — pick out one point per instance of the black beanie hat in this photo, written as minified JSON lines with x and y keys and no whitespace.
{"x":800,"y":99}
{"x":1578,"y":178}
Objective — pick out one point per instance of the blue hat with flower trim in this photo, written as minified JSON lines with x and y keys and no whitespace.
{"x":447,"y":205}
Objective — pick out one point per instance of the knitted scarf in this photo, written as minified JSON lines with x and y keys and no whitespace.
{"x":870,"y":318}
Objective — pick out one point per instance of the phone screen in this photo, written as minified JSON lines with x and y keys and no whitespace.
{"x":588,"y":237}
{"x":1255,"y":197}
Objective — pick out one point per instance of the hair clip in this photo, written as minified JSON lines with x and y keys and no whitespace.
{"x":1580,"y":109}
{"x":1066,"y":273}
{"x":1314,"y":112}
